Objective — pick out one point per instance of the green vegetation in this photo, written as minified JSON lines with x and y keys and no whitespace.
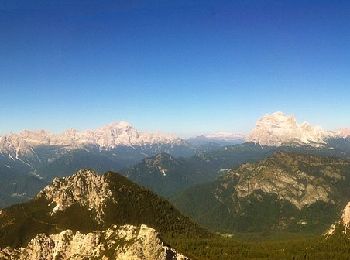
{"x":134,"y":205}
{"x":167,"y":175}
{"x":334,"y":247}
{"x":287,"y":191}
{"x":137,"y":205}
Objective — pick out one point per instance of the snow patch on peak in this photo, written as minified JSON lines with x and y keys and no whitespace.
{"x":277,"y":128}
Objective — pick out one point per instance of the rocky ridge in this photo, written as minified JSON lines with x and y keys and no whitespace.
{"x":125,"y":242}
{"x":106,"y":137}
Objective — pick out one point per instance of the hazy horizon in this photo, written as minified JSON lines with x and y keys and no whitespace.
{"x":184,"y":135}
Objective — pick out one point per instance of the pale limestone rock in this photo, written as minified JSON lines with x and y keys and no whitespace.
{"x":345,"y":218}
{"x":121,"y":243}
{"x":277,"y":128}
{"x":107,"y":137}
{"x":344,"y":222}
{"x":286,"y":187}
{"x":285,"y":176}
{"x":85,"y":187}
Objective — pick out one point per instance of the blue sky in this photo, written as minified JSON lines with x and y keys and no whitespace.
{"x":184,"y":67}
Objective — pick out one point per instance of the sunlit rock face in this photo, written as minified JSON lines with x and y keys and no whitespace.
{"x":345,"y":218}
{"x":299,"y":179}
{"x":277,"y":128}
{"x":85,"y":187}
{"x":125,"y":242}
{"x":343,"y":224}
{"x":106,"y":137}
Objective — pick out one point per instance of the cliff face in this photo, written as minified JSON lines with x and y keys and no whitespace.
{"x":125,"y":242}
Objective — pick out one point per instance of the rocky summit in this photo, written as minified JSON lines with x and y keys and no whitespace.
{"x":125,"y":242}
{"x":86,"y":188}
{"x":277,"y":128}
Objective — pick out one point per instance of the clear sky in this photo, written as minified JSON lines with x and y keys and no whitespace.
{"x":183,"y":67}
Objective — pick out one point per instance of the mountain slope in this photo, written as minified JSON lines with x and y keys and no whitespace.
{"x":87,"y":202}
{"x":167,"y":175}
{"x":17,"y":182}
{"x":288,"y":191}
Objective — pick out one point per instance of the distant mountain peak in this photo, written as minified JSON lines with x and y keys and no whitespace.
{"x":225,"y":136}
{"x":163,"y":156}
{"x":344,"y":132}
{"x":120,"y":124}
{"x":278,"y":128}
{"x":161,"y":161}
{"x":219,"y":138}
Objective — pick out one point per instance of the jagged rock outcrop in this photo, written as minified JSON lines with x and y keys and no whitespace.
{"x":125,"y":242}
{"x":85,"y":187}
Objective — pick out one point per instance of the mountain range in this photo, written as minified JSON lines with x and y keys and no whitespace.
{"x":272,"y":129}
{"x":29,"y":160}
{"x":287,"y":178}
